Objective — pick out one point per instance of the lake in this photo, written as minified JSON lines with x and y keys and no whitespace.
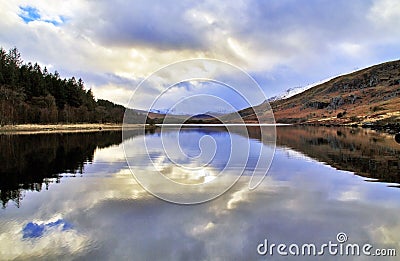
{"x":73,"y":196}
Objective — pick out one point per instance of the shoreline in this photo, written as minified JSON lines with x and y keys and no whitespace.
{"x":389,"y":128}
{"x":63,"y":128}
{"x":96,"y":127}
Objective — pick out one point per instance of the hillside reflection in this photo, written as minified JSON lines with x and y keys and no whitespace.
{"x":32,"y":162}
{"x":364,"y":152}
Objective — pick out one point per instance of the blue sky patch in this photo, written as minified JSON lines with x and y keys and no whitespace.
{"x":29,"y":14}
{"x":55,"y":22}
{"x":34,"y":230}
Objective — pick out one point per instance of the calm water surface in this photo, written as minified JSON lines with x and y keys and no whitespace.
{"x":72,"y":196}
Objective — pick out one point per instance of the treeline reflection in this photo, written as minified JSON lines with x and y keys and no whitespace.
{"x":32,"y":162}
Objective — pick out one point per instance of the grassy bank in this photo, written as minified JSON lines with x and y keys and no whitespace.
{"x":61,"y":128}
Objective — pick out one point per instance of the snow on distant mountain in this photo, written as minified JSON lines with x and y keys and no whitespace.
{"x":288,"y":93}
{"x":172,"y":111}
{"x":296,"y":90}
{"x":161,"y":111}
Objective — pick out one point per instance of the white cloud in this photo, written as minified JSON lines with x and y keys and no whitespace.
{"x":55,"y":242}
{"x":386,"y":13}
{"x":285,"y":42}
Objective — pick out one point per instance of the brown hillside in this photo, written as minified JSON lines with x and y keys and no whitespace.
{"x":368,"y":95}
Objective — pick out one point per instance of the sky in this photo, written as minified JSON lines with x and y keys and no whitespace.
{"x":115,"y":45}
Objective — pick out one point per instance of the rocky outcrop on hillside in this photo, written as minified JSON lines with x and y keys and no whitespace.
{"x":368,"y":95}
{"x":387,"y":74}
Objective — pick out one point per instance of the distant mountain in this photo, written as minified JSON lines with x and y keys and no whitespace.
{"x":162,"y":111}
{"x":157,"y":116}
{"x":174,"y":112}
{"x":202,"y":116}
{"x":368,"y":95}
{"x":207,"y":117}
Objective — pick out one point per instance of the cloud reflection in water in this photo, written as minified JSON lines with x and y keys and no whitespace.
{"x":112,"y":217}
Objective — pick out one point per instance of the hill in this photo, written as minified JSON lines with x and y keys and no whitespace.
{"x":367,"y":96}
